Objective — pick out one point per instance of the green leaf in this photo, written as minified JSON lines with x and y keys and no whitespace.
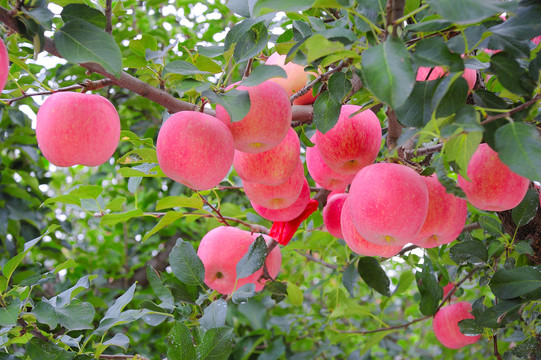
{"x":326,"y":112}
{"x":76,"y":316}
{"x":388,"y":72}
{"x":491,"y":225}
{"x":350,"y":277}
{"x":404,"y":282}
{"x":318,"y":46}
{"x":433,"y":52}
{"x":179,"y":201}
{"x":181,"y":67}
{"x":65,"y":297}
{"x":186,"y":265}
{"x":460,"y":149}
{"x":278,"y":290}
{"x":501,"y":314}
{"x":112,"y":219}
{"x":339,"y":86}
{"x":235,"y":102}
{"x":251,"y":43}
{"x":523,"y":247}
{"x":510,"y":74}
{"x":417,"y":110}
{"x":509,"y":284}
{"x":10,"y":313}
{"x":38,"y":349}
{"x":138,"y":156}
{"x":216,"y":344}
{"x":519,"y":147}
{"x":472,"y":251}
{"x":526,"y":210}
{"x":159,"y":289}
{"x":119,"y":340}
{"x":264,"y":6}
{"x":294,"y":294}
{"x":205,"y":63}
{"x":45,"y":314}
{"x":523,"y":26}
{"x":465,"y":11}
{"x":76,"y":194}
{"x":449,"y":96}
{"x":80,"y":41}
{"x":430,"y":289}
{"x":242,"y":294}
{"x":373,"y":340}
{"x":442,"y":170}
{"x":167,"y":219}
{"x":140,"y":46}
{"x":429,"y":26}
{"x":83,"y":12}
{"x":214,"y":315}
{"x":114,"y":313}
{"x":254,"y":258}
{"x":180,"y":343}
{"x":263,"y":73}
{"x":133,"y":138}
{"x":373,"y":275}
{"x":470,"y":327}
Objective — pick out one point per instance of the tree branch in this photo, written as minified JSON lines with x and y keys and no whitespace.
{"x":108,"y":13}
{"x":224,"y":221}
{"x":322,"y":77}
{"x":394,"y":129}
{"x":317,"y":260}
{"x":413,"y":153}
{"x":528,"y":103}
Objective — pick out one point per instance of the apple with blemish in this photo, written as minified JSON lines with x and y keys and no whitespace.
{"x":195,"y":149}
{"x":288,"y":213}
{"x":445,"y":325}
{"x":331,"y":214}
{"x":492,"y":186}
{"x":272,"y":167}
{"x":266,"y":124}
{"x":388,"y":203}
{"x":222,"y":248}
{"x":446,"y":216}
{"x":352,"y":143}
{"x":77,"y":129}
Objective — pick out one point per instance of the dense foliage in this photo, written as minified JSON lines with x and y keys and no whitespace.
{"x":101,"y":260}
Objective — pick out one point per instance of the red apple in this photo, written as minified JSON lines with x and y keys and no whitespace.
{"x":267,"y":122}
{"x":358,"y":244}
{"x":279,"y":196}
{"x":424,"y":74}
{"x":388,"y":203}
{"x":77,"y":129}
{"x":332,"y":212}
{"x":322,"y":173}
{"x":446,"y":216}
{"x":4,"y":65}
{"x":272,"y":167}
{"x":445,"y":325}
{"x":492,"y":186}
{"x":352,"y":143}
{"x":195,"y":149}
{"x":288,"y":213}
{"x":296,"y":79}
{"x":221,"y":249}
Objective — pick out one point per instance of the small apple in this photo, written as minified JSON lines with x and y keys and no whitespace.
{"x":77,"y":129}
{"x":222,"y":248}
{"x":267,"y":122}
{"x":492,"y":186}
{"x":272,"y":167}
{"x":445,"y":325}
{"x":352,"y":143}
{"x":195,"y":149}
{"x":332,"y":212}
{"x":289,"y":213}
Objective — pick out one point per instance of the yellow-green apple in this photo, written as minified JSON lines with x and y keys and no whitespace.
{"x":279,"y":196}
{"x":352,"y":143}
{"x":331,"y":214}
{"x":77,"y":129}
{"x":222,"y":248}
{"x":322,"y":174}
{"x":267,"y":122}
{"x":388,"y":203}
{"x":272,"y":167}
{"x":427,"y":74}
{"x":492,"y":186}
{"x":446,"y":216}
{"x":296,"y":78}
{"x":358,"y":244}
{"x":195,"y":149}
{"x":445,"y":325}
{"x":288,"y":213}
{"x":4,"y":65}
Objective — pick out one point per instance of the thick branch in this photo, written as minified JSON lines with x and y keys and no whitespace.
{"x":394,"y":129}
{"x":108,"y":13}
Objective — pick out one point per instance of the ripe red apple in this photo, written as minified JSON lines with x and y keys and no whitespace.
{"x":445,"y":325}
{"x":332,"y":212}
{"x":446,"y":216}
{"x":352,"y":143}
{"x":77,"y":129}
{"x":358,"y":244}
{"x":296,"y":79}
{"x":267,"y":122}
{"x":388,"y":203}
{"x":4,"y":65}
{"x":322,"y":174}
{"x":423,"y":75}
{"x":272,"y":167}
{"x":288,"y":213}
{"x":493,"y":186}
{"x":447,"y":288}
{"x":195,"y":149}
{"x":221,"y":249}
{"x":279,"y":196}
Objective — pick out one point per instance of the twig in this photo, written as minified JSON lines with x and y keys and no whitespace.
{"x":317,"y":260}
{"x":471,"y":227}
{"x":248,"y":69}
{"x":34,"y":331}
{"x":108,"y":13}
{"x":413,"y":153}
{"x":528,"y":103}
{"x":394,"y":10}
{"x":496,"y":352}
{"x":224,"y":221}
{"x":322,"y":77}
{"x":86,"y":85}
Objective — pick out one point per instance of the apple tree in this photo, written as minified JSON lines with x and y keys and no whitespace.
{"x":189,"y":229}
